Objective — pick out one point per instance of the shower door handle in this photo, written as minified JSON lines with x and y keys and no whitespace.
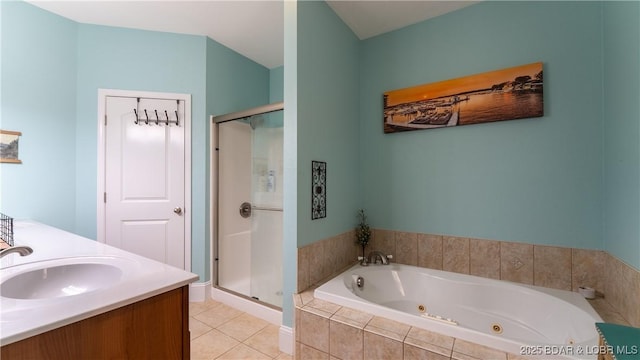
{"x":245,"y":209}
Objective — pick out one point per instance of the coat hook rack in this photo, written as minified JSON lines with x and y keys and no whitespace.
{"x":158,"y":121}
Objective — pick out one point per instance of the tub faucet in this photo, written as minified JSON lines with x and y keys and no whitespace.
{"x":22,"y":250}
{"x":374,"y":256}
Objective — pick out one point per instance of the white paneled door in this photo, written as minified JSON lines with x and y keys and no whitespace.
{"x":145,"y":177}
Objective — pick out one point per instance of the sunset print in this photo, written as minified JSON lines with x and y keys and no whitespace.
{"x":506,"y":94}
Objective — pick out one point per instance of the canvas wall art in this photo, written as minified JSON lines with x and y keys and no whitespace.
{"x":506,"y":94}
{"x":9,"y":147}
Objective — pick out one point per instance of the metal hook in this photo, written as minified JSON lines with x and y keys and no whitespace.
{"x":157,"y":117}
{"x":167,"y":115}
{"x":177,"y":123}
{"x":136,"y":112}
{"x":147,"y":115}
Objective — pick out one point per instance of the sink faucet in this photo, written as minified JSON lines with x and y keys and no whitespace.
{"x":375,"y":255}
{"x":22,"y":250}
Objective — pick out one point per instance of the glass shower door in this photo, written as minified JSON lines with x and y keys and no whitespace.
{"x":250,"y":207}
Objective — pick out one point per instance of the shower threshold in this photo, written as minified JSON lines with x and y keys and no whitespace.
{"x":257,"y":308}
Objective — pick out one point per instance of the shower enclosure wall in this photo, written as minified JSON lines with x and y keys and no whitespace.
{"x":248,"y":215}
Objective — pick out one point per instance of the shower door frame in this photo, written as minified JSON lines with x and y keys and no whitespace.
{"x":215,"y":189}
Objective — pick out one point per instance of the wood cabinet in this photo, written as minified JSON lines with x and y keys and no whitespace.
{"x":154,"y":328}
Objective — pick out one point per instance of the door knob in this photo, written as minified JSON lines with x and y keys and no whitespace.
{"x":178,"y":210}
{"x":245,"y":209}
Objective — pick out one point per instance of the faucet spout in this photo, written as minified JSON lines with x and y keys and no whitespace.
{"x":22,"y":250}
{"x":376,"y":257}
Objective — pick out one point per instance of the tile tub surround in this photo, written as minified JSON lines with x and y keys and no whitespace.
{"x":324,"y":259}
{"x":328,"y":331}
{"x":541,"y":265}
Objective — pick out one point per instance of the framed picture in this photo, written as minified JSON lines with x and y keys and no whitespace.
{"x":9,"y":147}
{"x":318,"y":190}
{"x":506,"y":94}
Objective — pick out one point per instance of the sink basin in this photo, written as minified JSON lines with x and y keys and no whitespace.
{"x":61,"y":280}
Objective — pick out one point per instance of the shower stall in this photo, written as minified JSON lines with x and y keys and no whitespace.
{"x":247,"y":211}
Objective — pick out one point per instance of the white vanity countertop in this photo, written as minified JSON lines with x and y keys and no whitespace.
{"x":141,"y":278}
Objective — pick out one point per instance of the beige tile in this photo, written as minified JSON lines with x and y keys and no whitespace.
{"x":297,"y":301}
{"x":283,"y":356}
{"x":218,"y":315}
{"x":309,"y":353}
{"x":331,"y":254}
{"x":345,"y":341}
{"x":430,"y":251}
{"x":607,"y":312}
{"x":629,"y":287}
{"x":304,"y":259}
{"x":412,"y":352}
{"x":211,"y":345}
{"x":407,"y":248}
{"x":427,"y":339}
{"x":243,"y":327}
{"x":517,"y":357}
{"x":389,"y":328}
{"x":383,"y":241}
{"x":323,"y":306}
{"x":476,"y":351}
{"x":552,"y":267}
{"x":455,"y":254}
{"x":352,"y":249}
{"x":306,"y":297}
{"x":484,"y":258}
{"x":352,"y":317}
{"x":609,"y":278}
{"x":243,"y":352}
{"x":266,"y":341}
{"x":345,"y":245}
{"x":380,"y":347}
{"x":516,"y":262}
{"x":634,"y":298}
{"x":587,"y":269}
{"x":314,"y":331}
{"x":317,"y":270}
{"x":198,"y":307}
{"x":197,"y":328}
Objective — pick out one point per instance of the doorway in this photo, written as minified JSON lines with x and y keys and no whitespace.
{"x":248,"y":173}
{"x":144,"y":174}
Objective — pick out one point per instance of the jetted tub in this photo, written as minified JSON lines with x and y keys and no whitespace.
{"x":515,"y":318}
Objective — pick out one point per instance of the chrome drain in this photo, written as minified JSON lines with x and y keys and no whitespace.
{"x":496,"y":328}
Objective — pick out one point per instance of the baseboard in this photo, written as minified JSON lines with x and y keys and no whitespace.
{"x":250,"y":307}
{"x":286,"y":340}
{"x":198,"y":292}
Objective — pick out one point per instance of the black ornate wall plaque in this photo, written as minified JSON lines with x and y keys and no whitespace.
{"x":318,"y":190}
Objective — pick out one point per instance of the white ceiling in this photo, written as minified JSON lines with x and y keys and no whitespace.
{"x":254,"y":29}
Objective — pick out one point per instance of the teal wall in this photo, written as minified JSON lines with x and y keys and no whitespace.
{"x":328,"y":89}
{"x":118,"y":58}
{"x":38,"y":99}
{"x":52,"y":69}
{"x":534,"y":180}
{"x":622,"y":130}
{"x":321,"y":123}
{"x":276,"y":84}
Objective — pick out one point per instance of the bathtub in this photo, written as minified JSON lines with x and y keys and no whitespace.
{"x":514,"y":318}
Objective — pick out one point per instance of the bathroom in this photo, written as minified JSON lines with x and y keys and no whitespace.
{"x":566,"y":180}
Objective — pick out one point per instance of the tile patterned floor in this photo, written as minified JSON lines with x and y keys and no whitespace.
{"x":221,"y":332}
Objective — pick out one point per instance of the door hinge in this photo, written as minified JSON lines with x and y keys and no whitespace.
{"x":105,"y":197}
